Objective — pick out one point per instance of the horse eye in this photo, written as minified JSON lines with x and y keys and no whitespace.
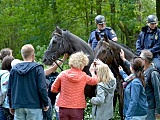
{"x":54,"y":41}
{"x":103,"y":51}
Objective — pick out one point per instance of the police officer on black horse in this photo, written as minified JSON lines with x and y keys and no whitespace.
{"x":149,"y":38}
{"x":101,"y":30}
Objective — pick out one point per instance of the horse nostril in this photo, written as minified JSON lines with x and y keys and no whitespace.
{"x":44,"y":60}
{"x":53,"y":57}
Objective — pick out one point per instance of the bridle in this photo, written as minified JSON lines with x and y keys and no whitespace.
{"x":109,"y":49}
{"x":112,"y":54}
{"x":60,"y":46}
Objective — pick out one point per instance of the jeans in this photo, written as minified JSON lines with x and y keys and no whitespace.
{"x":28,"y":114}
{"x":2,"y":116}
{"x":8,"y":114}
{"x":139,"y":117}
{"x":151,"y":114}
{"x":57,"y":115}
{"x":71,"y":114}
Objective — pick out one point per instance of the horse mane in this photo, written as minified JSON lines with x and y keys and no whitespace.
{"x":124,"y":46}
{"x":79,"y":41}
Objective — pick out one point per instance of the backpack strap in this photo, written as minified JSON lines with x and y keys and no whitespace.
{"x":4,"y":94}
{"x":149,"y":75}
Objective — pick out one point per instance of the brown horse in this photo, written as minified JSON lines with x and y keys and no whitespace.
{"x":109,"y":52}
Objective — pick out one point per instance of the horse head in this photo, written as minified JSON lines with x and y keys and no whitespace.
{"x":58,"y":46}
{"x":109,"y":52}
{"x":103,"y":51}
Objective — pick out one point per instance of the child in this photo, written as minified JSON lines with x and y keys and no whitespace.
{"x":102,"y":104}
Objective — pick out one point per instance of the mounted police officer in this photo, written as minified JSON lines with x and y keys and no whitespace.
{"x":149,"y":38}
{"x":101,"y":29}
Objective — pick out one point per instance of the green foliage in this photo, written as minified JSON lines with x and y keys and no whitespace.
{"x":33,"y":21}
{"x":39,"y":52}
{"x":88,"y":110}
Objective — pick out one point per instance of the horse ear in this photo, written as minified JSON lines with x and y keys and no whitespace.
{"x":106,"y":38}
{"x":58,"y":30}
{"x":97,"y":36}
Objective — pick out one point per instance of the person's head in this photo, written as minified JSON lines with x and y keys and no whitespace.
{"x":5,"y":52}
{"x":137,"y":67}
{"x":78,"y":60}
{"x":152,"y":21}
{"x":147,"y":56}
{"x":104,"y":73}
{"x":28,"y":52}
{"x":15,"y":62}
{"x":6,"y":63}
{"x":100,"y":22}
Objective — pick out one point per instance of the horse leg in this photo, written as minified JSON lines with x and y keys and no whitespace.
{"x":120,"y":99}
{"x":115,"y":99}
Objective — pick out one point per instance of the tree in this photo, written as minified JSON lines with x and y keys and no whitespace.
{"x":158,"y":9}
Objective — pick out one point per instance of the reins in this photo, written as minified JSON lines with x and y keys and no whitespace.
{"x":58,"y":64}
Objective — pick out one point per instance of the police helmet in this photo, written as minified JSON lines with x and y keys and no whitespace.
{"x":152,"y":19}
{"x":100,"y":19}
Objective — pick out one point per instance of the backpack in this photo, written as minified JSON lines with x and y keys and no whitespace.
{"x":51,"y":78}
{"x":2,"y":94}
{"x":149,"y":75}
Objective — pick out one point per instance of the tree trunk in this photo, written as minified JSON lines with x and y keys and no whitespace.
{"x":158,"y":9}
{"x":98,"y":8}
{"x":112,"y":7}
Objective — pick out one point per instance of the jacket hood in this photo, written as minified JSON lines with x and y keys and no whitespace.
{"x":24,"y":67}
{"x":74,"y":75}
{"x":110,"y":87}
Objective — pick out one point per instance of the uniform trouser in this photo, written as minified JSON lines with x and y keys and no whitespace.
{"x":28,"y":114}
{"x":157,"y":63}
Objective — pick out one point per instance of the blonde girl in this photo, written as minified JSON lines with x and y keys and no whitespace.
{"x":102,"y":104}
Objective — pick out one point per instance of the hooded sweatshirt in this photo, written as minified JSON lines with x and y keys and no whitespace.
{"x":27,"y":87}
{"x":4,"y":85}
{"x":102,"y":104}
{"x":71,"y":83}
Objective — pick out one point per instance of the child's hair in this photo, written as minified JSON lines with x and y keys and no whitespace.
{"x":138,"y":65}
{"x":78,"y":60}
{"x":104,"y":73}
{"x":6,"y":63}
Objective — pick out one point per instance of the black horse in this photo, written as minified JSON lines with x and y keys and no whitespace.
{"x":109,"y":52}
{"x":65,"y":42}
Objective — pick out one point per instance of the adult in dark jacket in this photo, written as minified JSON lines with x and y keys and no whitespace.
{"x":27,"y":90}
{"x":152,"y":88}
